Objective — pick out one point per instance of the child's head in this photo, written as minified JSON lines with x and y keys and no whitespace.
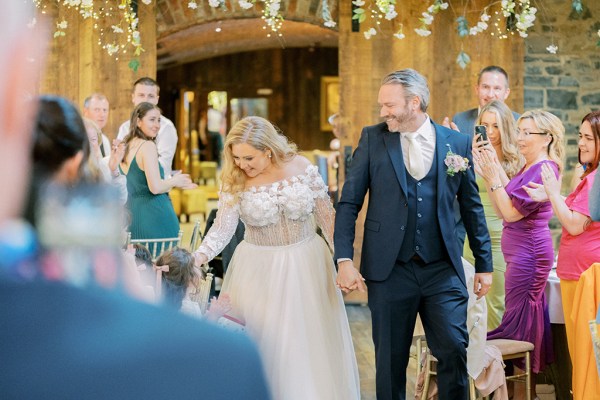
{"x":180,"y":276}
{"x":142,"y":256}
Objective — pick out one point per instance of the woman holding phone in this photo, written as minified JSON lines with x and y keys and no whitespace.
{"x":495,"y":129}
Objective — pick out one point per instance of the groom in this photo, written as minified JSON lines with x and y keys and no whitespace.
{"x":410,"y":256}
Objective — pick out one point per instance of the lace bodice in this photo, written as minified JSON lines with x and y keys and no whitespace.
{"x":282,"y":213}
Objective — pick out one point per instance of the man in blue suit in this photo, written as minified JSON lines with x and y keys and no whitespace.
{"x":62,"y":342}
{"x":410,"y":257}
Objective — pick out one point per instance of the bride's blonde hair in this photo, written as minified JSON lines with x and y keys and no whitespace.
{"x":260,"y":134}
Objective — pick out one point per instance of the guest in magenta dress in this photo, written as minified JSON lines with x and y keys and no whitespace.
{"x":526,"y":238}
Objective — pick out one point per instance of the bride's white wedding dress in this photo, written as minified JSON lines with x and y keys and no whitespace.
{"x":281,"y":281}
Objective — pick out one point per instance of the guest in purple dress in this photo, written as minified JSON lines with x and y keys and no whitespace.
{"x":526,"y":239}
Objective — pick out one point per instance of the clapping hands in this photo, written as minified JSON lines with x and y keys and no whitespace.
{"x":550,"y":185}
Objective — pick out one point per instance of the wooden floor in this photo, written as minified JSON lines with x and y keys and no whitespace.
{"x":359,"y":317}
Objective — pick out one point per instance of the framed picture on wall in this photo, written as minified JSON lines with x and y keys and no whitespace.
{"x":330,"y":100}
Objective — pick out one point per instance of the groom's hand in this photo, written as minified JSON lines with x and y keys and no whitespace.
{"x":483,"y":282}
{"x":348,"y":277}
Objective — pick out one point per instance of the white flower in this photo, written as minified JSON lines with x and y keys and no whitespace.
{"x":399,"y":35}
{"x":430,"y":9}
{"x":297,"y":201}
{"x":444,"y":6}
{"x":146,"y":1}
{"x":369,"y":33}
{"x":245,"y":4}
{"x":391,"y":14}
{"x":274,"y":8}
{"x":62,"y":24}
{"x":330,"y":23}
{"x":427,"y":18}
{"x":193,"y":5}
{"x":358,"y":3}
{"x":552,"y":49}
{"x":485,"y":17}
{"x":214,"y":3}
{"x":117,"y":29}
{"x":423,"y":32}
{"x":87,"y":3}
{"x":473,"y":31}
{"x":112,"y":48}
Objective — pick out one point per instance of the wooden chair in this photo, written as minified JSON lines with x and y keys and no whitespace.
{"x":157,"y":246}
{"x":510,"y":349}
{"x":196,"y":238}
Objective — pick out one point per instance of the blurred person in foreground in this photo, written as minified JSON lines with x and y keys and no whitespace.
{"x":58,"y":341}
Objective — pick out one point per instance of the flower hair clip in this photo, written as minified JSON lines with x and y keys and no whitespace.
{"x":455,"y":163}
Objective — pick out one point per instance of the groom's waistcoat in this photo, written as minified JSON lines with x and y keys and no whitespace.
{"x":423,"y":235}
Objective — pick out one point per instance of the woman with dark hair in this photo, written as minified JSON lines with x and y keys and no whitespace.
{"x":60,"y":148}
{"x":579,"y":247}
{"x":152,"y":214}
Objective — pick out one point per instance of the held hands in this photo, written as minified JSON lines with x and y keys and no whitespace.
{"x":482,"y":282}
{"x":348,"y":278}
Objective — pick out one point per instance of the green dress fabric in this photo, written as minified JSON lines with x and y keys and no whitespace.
{"x":152,"y":215}
{"x":495,"y":297}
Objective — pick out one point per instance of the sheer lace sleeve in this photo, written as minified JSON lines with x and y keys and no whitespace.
{"x":324,"y":211}
{"x":223,"y":228}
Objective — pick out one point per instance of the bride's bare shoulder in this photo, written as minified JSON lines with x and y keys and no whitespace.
{"x":297,"y":165}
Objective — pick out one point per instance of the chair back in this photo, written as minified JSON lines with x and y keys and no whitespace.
{"x":202,"y":294}
{"x":157,"y":246}
{"x":196,"y":237}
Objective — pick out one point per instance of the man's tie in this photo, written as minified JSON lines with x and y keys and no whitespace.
{"x":414,"y":164}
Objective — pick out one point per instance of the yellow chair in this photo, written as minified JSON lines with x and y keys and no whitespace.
{"x":194,"y":202}
{"x":196,"y":168}
{"x":208,"y":171}
{"x":175,"y":196}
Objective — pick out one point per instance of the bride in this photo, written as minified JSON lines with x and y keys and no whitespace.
{"x":281,"y":279}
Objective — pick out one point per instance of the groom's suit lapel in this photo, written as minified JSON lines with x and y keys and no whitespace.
{"x":442,"y":145}
{"x":392,"y":144}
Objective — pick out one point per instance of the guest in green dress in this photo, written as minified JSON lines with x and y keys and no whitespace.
{"x":152,"y":213}
{"x":501,"y":136}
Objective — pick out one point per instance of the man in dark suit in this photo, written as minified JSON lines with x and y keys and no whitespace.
{"x":410,"y":256}
{"x":492,"y":84}
{"x":62,"y":342}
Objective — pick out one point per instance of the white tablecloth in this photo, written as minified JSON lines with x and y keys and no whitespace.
{"x":554,"y":299}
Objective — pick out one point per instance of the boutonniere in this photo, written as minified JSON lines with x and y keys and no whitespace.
{"x":455,"y":163}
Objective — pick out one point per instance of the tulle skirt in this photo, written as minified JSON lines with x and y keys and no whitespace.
{"x":296,"y":315}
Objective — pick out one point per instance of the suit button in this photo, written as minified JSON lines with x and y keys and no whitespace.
{"x":418,"y":183}
{"x":402,"y":228}
{"x":405,"y":204}
{"x":419,"y":215}
{"x":418,"y":231}
{"x":420,"y":199}
{"x":417,"y":248}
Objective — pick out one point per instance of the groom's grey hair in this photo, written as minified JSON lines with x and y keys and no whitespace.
{"x":414,"y":84}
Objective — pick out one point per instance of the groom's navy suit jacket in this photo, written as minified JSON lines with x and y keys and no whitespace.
{"x":378,"y":168}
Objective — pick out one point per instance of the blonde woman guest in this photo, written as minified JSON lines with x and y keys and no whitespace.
{"x":501,"y":130}
{"x":526,"y":238}
{"x":579,"y":247}
{"x":281,"y":278}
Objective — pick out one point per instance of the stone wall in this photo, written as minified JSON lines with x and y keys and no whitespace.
{"x":566,"y":83}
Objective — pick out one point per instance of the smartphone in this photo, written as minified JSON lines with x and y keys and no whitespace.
{"x":480,"y":130}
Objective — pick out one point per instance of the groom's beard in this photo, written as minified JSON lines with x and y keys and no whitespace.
{"x":401,"y":122}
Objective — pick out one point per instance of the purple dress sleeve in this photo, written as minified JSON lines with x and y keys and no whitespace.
{"x":520,"y":199}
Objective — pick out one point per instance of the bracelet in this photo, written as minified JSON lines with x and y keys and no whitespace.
{"x":496,"y":187}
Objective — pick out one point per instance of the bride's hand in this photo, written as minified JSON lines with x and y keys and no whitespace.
{"x":348,"y":278}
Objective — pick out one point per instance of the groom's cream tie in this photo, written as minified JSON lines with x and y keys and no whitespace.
{"x":414,"y":164}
